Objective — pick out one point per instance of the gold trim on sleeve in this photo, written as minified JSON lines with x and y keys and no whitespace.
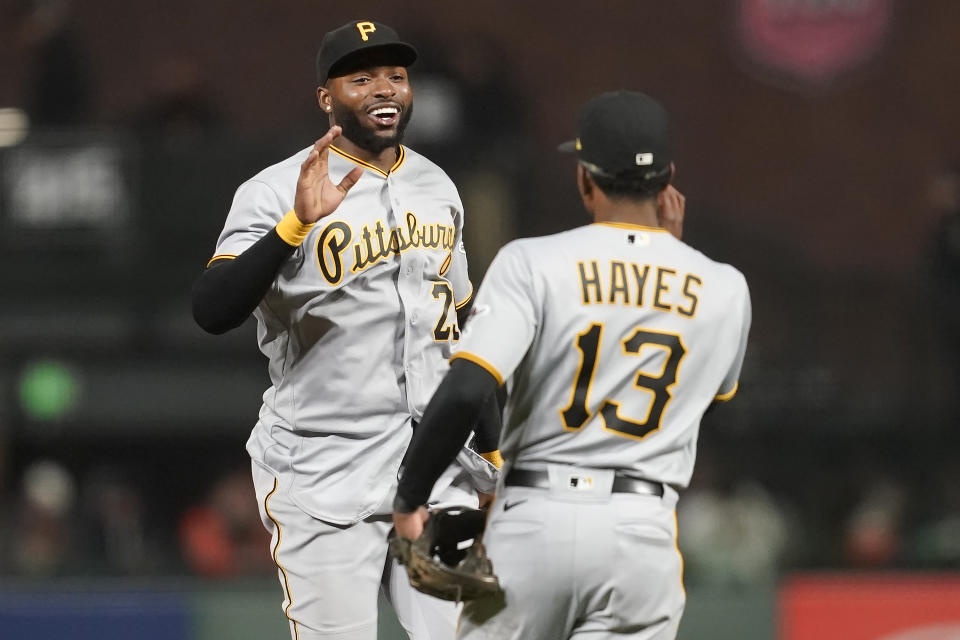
{"x":222,"y":256}
{"x":465,"y":301}
{"x":492,"y":370}
{"x":726,"y":397}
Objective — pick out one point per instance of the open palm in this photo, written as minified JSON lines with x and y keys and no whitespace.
{"x":317,"y":195}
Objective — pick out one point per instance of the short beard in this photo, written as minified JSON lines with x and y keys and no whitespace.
{"x":365,"y":137}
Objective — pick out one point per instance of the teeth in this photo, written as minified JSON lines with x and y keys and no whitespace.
{"x":384,"y":111}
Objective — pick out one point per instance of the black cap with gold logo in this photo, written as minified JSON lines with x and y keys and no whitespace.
{"x":339,"y":45}
{"x":623,"y":134}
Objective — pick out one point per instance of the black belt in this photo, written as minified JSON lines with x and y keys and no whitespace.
{"x":621,"y":484}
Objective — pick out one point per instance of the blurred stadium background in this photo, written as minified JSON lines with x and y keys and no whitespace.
{"x":818,"y":145}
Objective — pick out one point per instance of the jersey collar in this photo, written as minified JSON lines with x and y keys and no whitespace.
{"x":401,"y":156}
{"x":630,"y":225}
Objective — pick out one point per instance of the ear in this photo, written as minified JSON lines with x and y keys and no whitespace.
{"x":324,"y":99}
{"x":584,"y":185}
{"x":586,"y":188}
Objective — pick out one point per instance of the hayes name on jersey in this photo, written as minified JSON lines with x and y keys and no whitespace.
{"x":629,"y":283}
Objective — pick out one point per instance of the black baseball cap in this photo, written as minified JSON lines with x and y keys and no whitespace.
{"x":622,"y":134}
{"x":360,"y":36}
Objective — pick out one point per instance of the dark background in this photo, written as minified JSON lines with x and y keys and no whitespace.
{"x":122,"y":425}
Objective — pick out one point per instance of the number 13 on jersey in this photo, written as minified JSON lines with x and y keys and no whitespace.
{"x":577,"y":413}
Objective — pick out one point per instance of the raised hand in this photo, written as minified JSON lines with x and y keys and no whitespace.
{"x":317,"y":196}
{"x":670,"y":210}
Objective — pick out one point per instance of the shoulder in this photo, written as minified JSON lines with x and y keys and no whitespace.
{"x":539,"y":249}
{"x":731,"y":278}
{"x":420,"y":168}
{"x":281,"y":173}
{"x":535,"y":253}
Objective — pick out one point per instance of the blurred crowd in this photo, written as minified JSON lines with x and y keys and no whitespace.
{"x":102,"y":523}
{"x":745,"y":521}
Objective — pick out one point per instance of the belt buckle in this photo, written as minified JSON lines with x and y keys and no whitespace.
{"x":579,"y":482}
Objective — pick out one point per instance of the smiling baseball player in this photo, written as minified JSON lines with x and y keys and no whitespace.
{"x":613,"y":340}
{"x":349,"y":254}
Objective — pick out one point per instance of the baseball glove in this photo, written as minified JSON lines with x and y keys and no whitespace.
{"x":443,"y":562}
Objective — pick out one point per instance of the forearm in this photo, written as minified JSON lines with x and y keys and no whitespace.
{"x":451,"y":415}
{"x":228,"y":291}
{"x":487,"y":431}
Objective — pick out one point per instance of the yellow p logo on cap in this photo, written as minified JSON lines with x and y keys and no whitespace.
{"x":364,"y":28}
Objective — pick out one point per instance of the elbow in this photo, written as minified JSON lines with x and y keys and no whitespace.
{"x":468,"y":401}
{"x":210,"y":325}
{"x":212,"y":320}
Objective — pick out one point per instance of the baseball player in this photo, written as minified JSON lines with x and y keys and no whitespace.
{"x":349,"y":254}
{"x":613,"y":340}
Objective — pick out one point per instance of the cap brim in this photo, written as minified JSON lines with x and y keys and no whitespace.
{"x":404,"y":53}
{"x":570,"y":146}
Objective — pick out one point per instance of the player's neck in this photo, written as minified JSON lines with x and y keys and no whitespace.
{"x":643,"y":214}
{"x":383,"y":160}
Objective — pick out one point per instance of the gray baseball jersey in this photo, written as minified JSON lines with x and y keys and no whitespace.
{"x":357,"y":325}
{"x":614,"y":339}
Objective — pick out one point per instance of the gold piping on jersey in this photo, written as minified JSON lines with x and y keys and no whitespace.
{"x":492,"y":370}
{"x":401,"y":156}
{"x":276,"y":548}
{"x":291,"y":230}
{"x":726,"y":397}
{"x":629,"y":225}
{"x":222,"y":256}
{"x":676,"y":532}
{"x":465,"y":301}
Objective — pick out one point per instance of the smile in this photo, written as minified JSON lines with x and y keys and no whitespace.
{"x":384,"y":115}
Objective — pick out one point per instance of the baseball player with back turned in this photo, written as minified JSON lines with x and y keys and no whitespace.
{"x":613,"y":339}
{"x":349,"y":254}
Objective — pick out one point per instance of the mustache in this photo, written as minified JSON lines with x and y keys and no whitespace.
{"x":358,"y":130}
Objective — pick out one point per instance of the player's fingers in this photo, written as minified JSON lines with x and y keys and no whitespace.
{"x":350,"y":179}
{"x":309,"y":165}
{"x":674,"y":199}
{"x":327,"y":139}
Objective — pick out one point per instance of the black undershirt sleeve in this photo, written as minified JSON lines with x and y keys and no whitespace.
{"x":228,"y":291}
{"x":448,"y":420}
{"x":487,"y":431}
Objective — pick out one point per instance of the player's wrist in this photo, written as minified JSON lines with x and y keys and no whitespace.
{"x":402,"y":505}
{"x":494,"y":458}
{"x":292,"y":230}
